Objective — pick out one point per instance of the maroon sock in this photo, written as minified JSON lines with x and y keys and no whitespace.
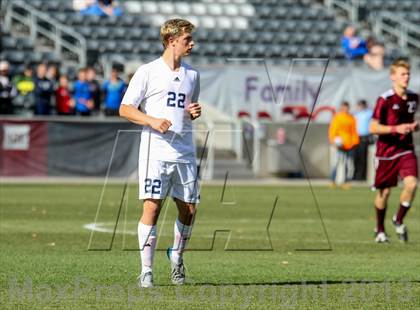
{"x":380,"y":219}
{"x":402,"y":211}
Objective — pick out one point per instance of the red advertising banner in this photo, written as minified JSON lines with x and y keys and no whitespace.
{"x":23,"y":148}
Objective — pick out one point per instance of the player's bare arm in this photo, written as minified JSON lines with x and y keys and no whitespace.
{"x":378,"y":129}
{"x":132,"y":114}
{"x":194,"y":109}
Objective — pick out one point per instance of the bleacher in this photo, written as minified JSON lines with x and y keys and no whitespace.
{"x":20,"y":50}
{"x":273,"y":29}
{"x":276,"y":30}
{"x":408,"y":9}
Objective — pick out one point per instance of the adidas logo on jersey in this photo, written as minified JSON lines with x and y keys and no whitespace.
{"x":177,"y":79}
{"x":395,"y":107}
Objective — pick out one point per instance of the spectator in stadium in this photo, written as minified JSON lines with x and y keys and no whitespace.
{"x":375,"y":57}
{"x":24,"y":83}
{"x":53,"y":75}
{"x":363,"y":117}
{"x":64,"y":103}
{"x":103,"y":8}
{"x":343,"y":136}
{"x":114,"y":90}
{"x":354,"y":46}
{"x":25,"y":86}
{"x":95,"y":88}
{"x":7,"y":89}
{"x":82,"y":95}
{"x":44,"y":90}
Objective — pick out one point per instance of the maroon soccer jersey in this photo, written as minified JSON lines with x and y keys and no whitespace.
{"x":393,"y":110}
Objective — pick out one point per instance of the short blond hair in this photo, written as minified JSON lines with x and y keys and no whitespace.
{"x":400,"y":63}
{"x":174,"y":28}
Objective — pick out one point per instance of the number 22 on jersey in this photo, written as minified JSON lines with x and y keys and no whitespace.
{"x":176,"y":100}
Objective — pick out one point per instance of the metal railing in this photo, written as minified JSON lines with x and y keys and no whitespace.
{"x":41,"y":23}
{"x":398,"y":27}
{"x":351,"y":7}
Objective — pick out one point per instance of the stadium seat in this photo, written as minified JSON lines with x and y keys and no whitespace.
{"x":274,"y":50}
{"x":290,"y":25}
{"x":150,"y":7}
{"x":273,"y":25}
{"x":143,"y":46}
{"x":215,"y":9}
{"x":279,"y":12}
{"x":76,"y":19}
{"x":118,"y":32}
{"x":183,"y":8}
{"x":158,"y":19}
{"x":305,"y":26}
{"x":249,"y":36}
{"x":125,"y":46}
{"x":166,"y":8}
{"x":298,"y":38}
{"x":198,"y":9}
{"x":8,"y":42}
{"x":201,"y":34}
{"x":282,"y":37}
{"x":296,"y":13}
{"x":247,"y":10}
{"x":210,"y":48}
{"x":266,"y":37}
{"x":231,"y":10}
{"x":227,"y":50}
{"x":92,"y":20}
{"x":109,"y":21}
{"x":38,"y":4}
{"x":240,"y":23}
{"x":264,"y":12}
{"x":92,"y":45}
{"x":243,"y":50}
{"x":62,"y":17}
{"x":18,"y":57}
{"x":234,"y":36}
{"x":133,"y":7}
{"x":258,"y":24}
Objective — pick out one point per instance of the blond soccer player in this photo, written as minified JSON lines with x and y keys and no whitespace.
{"x":162,"y":97}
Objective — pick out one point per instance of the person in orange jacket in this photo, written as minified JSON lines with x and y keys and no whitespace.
{"x":343,"y":135}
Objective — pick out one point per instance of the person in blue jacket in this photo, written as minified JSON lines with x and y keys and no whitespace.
{"x":114,"y":90}
{"x":82,"y":95}
{"x":353,"y":46}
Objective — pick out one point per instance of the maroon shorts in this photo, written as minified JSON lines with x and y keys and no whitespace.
{"x":388,"y":170}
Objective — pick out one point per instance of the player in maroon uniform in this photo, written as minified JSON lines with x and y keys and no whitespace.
{"x":393,"y":121}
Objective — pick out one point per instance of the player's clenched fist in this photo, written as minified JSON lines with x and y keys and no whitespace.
{"x":194,"y":109}
{"x":160,"y":124}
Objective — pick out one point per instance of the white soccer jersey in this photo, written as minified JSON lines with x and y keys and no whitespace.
{"x":163,"y":93}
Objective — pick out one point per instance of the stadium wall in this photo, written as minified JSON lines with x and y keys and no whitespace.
{"x":74,"y":147}
{"x":67,"y":148}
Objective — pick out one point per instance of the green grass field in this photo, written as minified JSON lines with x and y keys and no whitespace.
{"x":261,"y":257}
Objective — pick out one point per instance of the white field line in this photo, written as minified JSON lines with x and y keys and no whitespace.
{"x":101,"y":227}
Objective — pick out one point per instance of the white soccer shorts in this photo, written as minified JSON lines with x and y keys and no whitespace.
{"x":158,"y":179}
